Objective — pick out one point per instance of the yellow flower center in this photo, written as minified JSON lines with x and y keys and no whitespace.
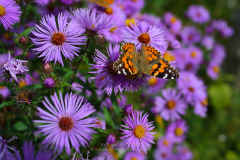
{"x":2,"y":11}
{"x":134,"y":158}
{"x":139,"y":131}
{"x":165,"y":142}
{"x":169,"y":57}
{"x":2,"y":87}
{"x":193,"y":54}
{"x":171,"y":104}
{"x":216,"y":69}
{"x":113,"y":29}
{"x":134,"y":0}
{"x":65,"y":123}
{"x":144,"y":38}
{"x":204,"y":103}
{"x":173,"y":20}
{"x":130,"y":21}
{"x":109,"y":10}
{"x":152,"y":81}
{"x":22,"y":83}
{"x":58,"y":38}
{"x":179,"y":131}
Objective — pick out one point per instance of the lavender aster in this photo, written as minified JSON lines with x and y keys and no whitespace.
{"x":14,"y":67}
{"x":134,"y":156}
{"x":170,"y":106}
{"x":137,"y":132}
{"x":190,"y":35}
{"x":65,"y":121}
{"x":9,"y":13}
{"x":56,"y":38}
{"x":176,"y":131}
{"x":198,"y":14}
{"x":145,"y":34}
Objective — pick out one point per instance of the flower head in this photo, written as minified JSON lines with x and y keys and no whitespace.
{"x":170,"y":106}
{"x":65,"y":121}
{"x":137,"y":132}
{"x":198,"y":14}
{"x":173,"y":23}
{"x":145,"y":34}
{"x":56,"y":38}
{"x":190,"y":35}
{"x":92,"y":21}
{"x":134,"y":156}
{"x":177,"y":130}
{"x":107,"y":79}
{"x":14,"y":67}
{"x":9,"y":13}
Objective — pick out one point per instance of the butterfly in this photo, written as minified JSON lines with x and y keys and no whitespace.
{"x":102,"y":3}
{"x":148,"y":61}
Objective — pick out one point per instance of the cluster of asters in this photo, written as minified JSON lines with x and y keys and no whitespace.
{"x":68,"y":121}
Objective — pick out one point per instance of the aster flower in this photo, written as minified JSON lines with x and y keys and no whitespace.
{"x":7,"y":152}
{"x":222,"y":27}
{"x":208,"y":42}
{"x":134,"y":156}
{"x":213,"y":70}
{"x":173,"y":23}
{"x":137,"y":132}
{"x":4,"y":91}
{"x":200,"y":106}
{"x":190,"y":35}
{"x":170,"y":106}
{"x":198,"y":14}
{"x":28,"y":153}
{"x":177,"y":130}
{"x":92,"y":21}
{"x":131,"y":7}
{"x":107,"y":79}
{"x":56,"y":38}
{"x":148,"y":18}
{"x":9,"y":13}
{"x":163,"y":154}
{"x":145,"y":34}
{"x":165,"y":142}
{"x":49,"y":82}
{"x":218,"y":54}
{"x":65,"y":121}
{"x":154,"y":85}
{"x":183,"y":153}
{"x":191,"y":87}
{"x":14,"y":67}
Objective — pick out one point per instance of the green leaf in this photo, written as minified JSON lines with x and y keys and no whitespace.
{"x":20,"y":126}
{"x":220,"y":95}
{"x":108,"y":117}
{"x":4,"y":104}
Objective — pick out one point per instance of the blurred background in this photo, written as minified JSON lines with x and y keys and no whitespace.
{"x":218,"y":135}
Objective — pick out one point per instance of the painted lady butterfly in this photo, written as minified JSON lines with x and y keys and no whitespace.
{"x":102,"y":3}
{"x":148,"y":61}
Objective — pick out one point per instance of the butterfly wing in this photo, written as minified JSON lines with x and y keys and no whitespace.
{"x":126,"y":63}
{"x":154,"y":64}
{"x":102,"y":3}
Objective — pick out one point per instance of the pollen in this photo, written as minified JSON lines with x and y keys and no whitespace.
{"x":144,"y":38}
{"x":179,"y":131}
{"x":171,"y":104}
{"x":204,"y":103}
{"x":58,"y":38}
{"x":130,"y":21}
{"x":112,"y":152}
{"x":113,"y":29}
{"x":152,"y":81}
{"x":193,"y":54}
{"x":173,"y":20}
{"x":165,"y":142}
{"x":65,"y":123}
{"x":22,"y":83}
{"x":139,"y":131}
{"x":2,"y":11}
{"x":109,"y":10}
{"x":159,"y":120}
{"x":134,"y":158}
{"x":216,"y":69}
{"x":169,"y":57}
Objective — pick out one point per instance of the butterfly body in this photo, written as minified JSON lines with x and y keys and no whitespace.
{"x":148,"y":61}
